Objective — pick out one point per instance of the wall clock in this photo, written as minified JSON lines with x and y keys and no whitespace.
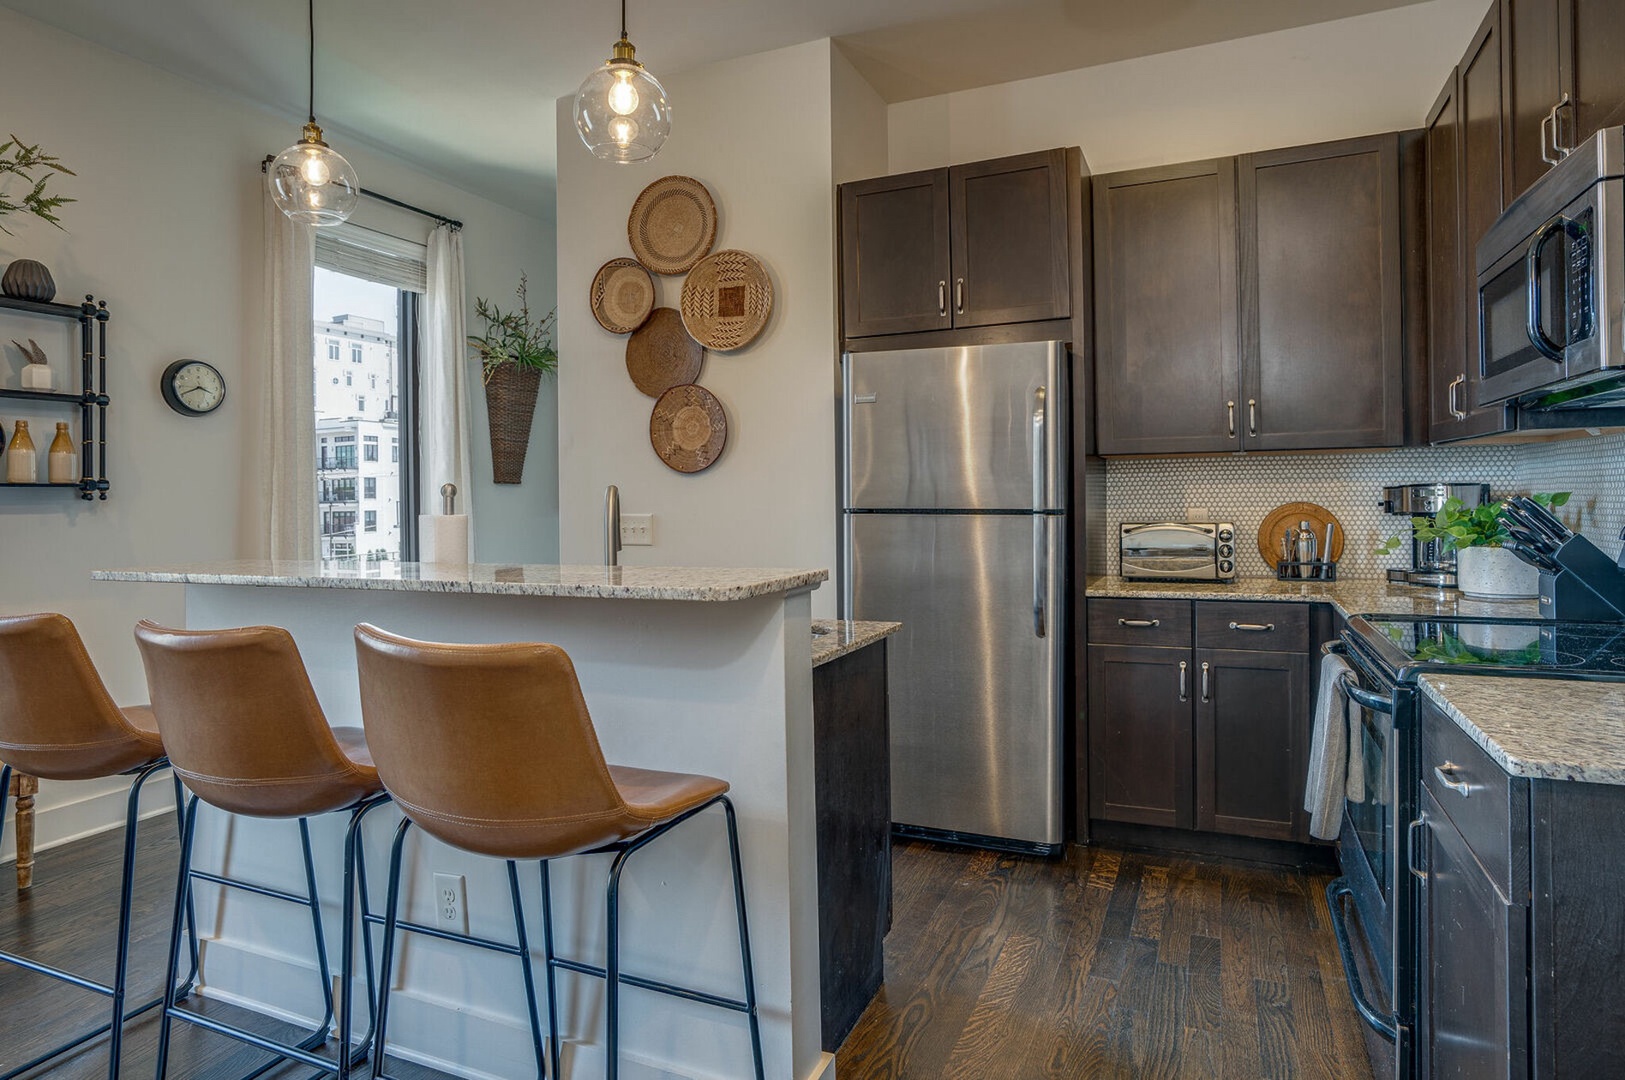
{"x":192,"y":388}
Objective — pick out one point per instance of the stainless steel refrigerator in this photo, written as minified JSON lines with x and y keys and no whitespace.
{"x":954,"y":523}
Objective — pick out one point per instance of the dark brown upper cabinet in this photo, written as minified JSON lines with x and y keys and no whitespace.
{"x":974,"y":245}
{"x":1251,"y":303}
{"x":1563,"y":80}
{"x":1166,"y":375}
{"x":1321,"y":323}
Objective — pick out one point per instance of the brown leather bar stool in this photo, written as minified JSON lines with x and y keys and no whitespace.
{"x":57,"y":721}
{"x":490,"y":748}
{"x":246,"y":735}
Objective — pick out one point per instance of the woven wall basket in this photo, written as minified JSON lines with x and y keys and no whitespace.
{"x":510,"y":405}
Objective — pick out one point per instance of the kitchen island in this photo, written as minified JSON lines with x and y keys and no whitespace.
{"x":686,"y":669}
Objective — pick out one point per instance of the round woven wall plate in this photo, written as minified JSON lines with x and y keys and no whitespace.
{"x":727,"y":299}
{"x":688,"y":428}
{"x":672,"y":225}
{"x":622,"y":295}
{"x":661,"y":355}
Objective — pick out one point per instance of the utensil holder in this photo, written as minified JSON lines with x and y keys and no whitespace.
{"x":1290,"y":570}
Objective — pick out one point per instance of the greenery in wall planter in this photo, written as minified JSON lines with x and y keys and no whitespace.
{"x":515,"y":352}
{"x":26,"y":279}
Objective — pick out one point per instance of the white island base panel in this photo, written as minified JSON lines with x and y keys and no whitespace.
{"x":717,"y":688}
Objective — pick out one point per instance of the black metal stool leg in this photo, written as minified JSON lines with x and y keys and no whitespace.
{"x":191,"y":909}
{"x":391,"y":917}
{"x":183,"y":890}
{"x":744,"y":938}
{"x":355,"y":867}
{"x":524,"y":966}
{"x":326,"y":1023}
{"x":612,"y":967}
{"x":121,"y":956}
{"x":552,"y":977}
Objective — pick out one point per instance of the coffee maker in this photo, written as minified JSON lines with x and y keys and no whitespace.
{"x":1433,"y":562}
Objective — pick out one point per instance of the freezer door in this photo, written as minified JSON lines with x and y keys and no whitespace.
{"x":975,"y":670}
{"x":973,"y":428}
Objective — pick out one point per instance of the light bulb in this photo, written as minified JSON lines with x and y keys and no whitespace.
{"x":313,"y":198}
{"x":623,"y":96}
{"x":623,"y":129}
{"x":315,"y":170}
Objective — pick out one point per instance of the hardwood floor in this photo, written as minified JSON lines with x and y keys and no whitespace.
{"x":1104,"y":965}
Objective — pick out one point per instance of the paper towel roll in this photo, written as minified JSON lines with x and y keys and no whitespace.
{"x":443,"y":538}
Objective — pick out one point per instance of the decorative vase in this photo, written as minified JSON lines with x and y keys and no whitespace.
{"x":1492,"y":573}
{"x":62,"y":463}
{"x":26,"y":279}
{"x":510,"y":405}
{"x":20,"y":465}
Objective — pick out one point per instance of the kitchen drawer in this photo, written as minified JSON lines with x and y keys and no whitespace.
{"x":1487,"y":806}
{"x":1140,"y":622}
{"x":1251,"y":626}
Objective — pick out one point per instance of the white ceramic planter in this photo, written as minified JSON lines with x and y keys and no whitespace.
{"x":1487,"y":573}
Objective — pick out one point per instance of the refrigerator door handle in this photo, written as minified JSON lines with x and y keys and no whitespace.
{"x":1040,"y":525}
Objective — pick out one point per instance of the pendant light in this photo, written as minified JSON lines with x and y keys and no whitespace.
{"x":621,"y":109}
{"x":310,"y":181}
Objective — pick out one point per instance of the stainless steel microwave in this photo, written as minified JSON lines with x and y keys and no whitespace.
{"x":1551,"y":283}
{"x":1177,"y":551}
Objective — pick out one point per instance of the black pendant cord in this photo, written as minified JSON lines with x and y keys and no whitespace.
{"x":623,"y":19}
{"x":312,"y":98}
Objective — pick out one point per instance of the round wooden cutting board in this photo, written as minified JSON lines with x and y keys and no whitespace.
{"x":1276,"y":522}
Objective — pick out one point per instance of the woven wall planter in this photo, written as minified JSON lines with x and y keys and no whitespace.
{"x":510,"y":405}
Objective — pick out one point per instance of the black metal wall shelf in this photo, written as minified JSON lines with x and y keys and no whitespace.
{"x":92,"y":399}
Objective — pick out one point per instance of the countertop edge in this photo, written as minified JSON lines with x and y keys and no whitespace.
{"x":846,"y":637}
{"x":1436,"y":687}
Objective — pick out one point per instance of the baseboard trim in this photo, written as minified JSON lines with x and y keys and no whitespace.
{"x":60,"y":823}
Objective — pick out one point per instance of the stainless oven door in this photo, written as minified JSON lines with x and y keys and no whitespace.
{"x":1168,"y":550}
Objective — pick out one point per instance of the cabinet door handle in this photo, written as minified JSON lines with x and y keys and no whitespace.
{"x":959,"y":295}
{"x":942,"y":298}
{"x":1207,"y":674}
{"x":1252,"y":417}
{"x":1142,"y":623}
{"x":1547,"y":139}
{"x":1456,"y":410}
{"x":1230,"y":419}
{"x":1184,"y":694}
{"x":1411,"y":847}
{"x":1560,"y":148}
{"x":1253,"y":627}
{"x":1445,"y":772}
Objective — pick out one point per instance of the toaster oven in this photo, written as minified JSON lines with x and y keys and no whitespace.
{"x":1177,"y":551}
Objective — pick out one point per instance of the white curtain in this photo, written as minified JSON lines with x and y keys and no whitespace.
{"x":288,"y":411}
{"x":443,"y":412}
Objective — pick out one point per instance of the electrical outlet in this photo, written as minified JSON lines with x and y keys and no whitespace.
{"x":451,"y":903}
{"x":637,"y":530}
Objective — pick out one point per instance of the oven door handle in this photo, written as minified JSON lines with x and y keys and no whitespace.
{"x":1365,"y":698}
{"x":1544,"y":345}
{"x":1382,"y":1023}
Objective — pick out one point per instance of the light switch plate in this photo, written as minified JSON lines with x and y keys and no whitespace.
{"x":637,"y":530}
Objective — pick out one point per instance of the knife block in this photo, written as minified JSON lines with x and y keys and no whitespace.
{"x":1589,"y":587}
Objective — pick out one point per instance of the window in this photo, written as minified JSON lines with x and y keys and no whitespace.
{"x":355,"y":354}
{"x":332,"y":349}
{"x":361,"y":407}
{"x":335,"y":522}
{"x":372,"y":382}
{"x":395,"y":451}
{"x":372,"y":520}
{"x":369,"y":445}
{"x":348,"y":379}
{"x":341,"y":457}
{"x":369,"y":487}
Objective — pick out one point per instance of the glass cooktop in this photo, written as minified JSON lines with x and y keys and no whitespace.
{"x":1407,"y":644}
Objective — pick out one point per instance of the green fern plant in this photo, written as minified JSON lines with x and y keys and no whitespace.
{"x":19,"y":159}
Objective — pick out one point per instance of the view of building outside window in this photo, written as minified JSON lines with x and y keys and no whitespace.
{"x":356,"y":325}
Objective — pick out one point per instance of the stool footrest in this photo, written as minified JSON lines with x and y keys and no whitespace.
{"x":300,"y":1051}
{"x":248,"y":886}
{"x":684,"y":992}
{"x":445,"y":935}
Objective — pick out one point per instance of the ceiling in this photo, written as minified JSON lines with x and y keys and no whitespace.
{"x":466,"y":90}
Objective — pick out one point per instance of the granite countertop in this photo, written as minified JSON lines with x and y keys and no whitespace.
{"x":834,"y":638}
{"x":1351,"y":597}
{"x":591,"y":582}
{"x":1548,"y":729}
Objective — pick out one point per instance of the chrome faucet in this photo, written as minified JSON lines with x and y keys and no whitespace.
{"x":612,"y":526}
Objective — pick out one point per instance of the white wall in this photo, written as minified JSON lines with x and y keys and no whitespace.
{"x":167,"y":229}
{"x":757,"y":132}
{"x":1357,"y":76}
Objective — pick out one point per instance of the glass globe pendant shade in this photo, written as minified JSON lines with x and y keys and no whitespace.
{"x":312,"y":183}
{"x":621,"y":110}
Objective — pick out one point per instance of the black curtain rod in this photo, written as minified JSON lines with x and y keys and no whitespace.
{"x":441,"y":219}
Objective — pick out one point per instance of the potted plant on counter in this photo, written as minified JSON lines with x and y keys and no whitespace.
{"x":515,"y":352}
{"x":1485,"y":568}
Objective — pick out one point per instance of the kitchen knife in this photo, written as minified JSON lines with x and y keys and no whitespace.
{"x":1548,"y":521}
{"x":1516,"y":512}
{"x":1533,"y":557}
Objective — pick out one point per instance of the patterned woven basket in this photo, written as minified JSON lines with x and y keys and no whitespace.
{"x":510,"y":405}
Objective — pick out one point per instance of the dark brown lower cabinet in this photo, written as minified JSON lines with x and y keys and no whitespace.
{"x":1140,"y":735}
{"x":1250,"y":752}
{"x":1189,"y":737}
{"x":852,"y":751}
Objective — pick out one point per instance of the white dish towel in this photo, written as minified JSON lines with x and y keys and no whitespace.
{"x":1332,"y":761}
